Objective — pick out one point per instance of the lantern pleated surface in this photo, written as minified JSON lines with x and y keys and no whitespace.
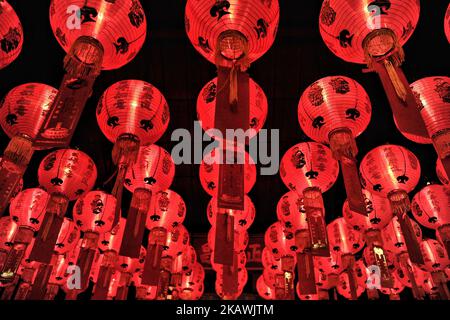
{"x":120,"y":26}
{"x":308,"y":164}
{"x":11,"y":35}
{"x":153,"y":170}
{"x":24,"y":108}
{"x":133,"y":107}
{"x":389,"y":167}
{"x":345,"y":24}
{"x":68,"y":172}
{"x":206,"y":106}
{"x":333,"y":103}
{"x":255,"y":23}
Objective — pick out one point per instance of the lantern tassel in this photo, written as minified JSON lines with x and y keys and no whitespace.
{"x":152,"y":265}
{"x":305,"y":263}
{"x":86,"y":256}
{"x":375,"y":243}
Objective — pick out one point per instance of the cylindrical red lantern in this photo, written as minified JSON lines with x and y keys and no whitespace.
{"x":65,"y":174}
{"x":11,"y":35}
{"x":373,"y":33}
{"x":334,"y":111}
{"x":308,"y":168}
{"x":22,"y":113}
{"x":393,"y":171}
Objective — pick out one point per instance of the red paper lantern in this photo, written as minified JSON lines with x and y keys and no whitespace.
{"x":185,"y":261}
{"x":308,"y":165}
{"x":23,"y":109}
{"x":343,"y":238}
{"x":154,"y":170}
{"x":110,"y":241}
{"x":264,"y":290}
{"x":68,"y":237}
{"x":334,"y":103}
{"x":129,"y":265}
{"x":133,"y":107}
{"x":433,"y":97}
{"x":27,"y":209}
{"x":242,"y":280}
{"x":344,"y":287}
{"x":144,"y":292}
{"x":331,"y":265}
{"x":120,"y":26}
{"x":436,"y":259}
{"x":279,"y":241}
{"x":11,"y":35}
{"x":206,"y":106}
{"x":240,"y":240}
{"x":209,"y":172}
{"x":418,"y":275}
{"x":167,"y":210}
{"x":379,"y":213}
{"x":177,"y":241}
{"x":68,"y":172}
{"x":430,"y":206}
{"x":396,"y":289}
{"x":447,"y":23}
{"x":345,"y":24}
{"x":242,"y":219}
{"x":231,"y":29}
{"x":440,"y":172}
{"x":291,"y":212}
{"x":8,"y":229}
{"x":388,"y":168}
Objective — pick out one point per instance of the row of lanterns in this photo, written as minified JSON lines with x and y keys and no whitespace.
{"x":38,"y":242}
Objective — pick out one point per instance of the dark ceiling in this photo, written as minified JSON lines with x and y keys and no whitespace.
{"x":168,"y":61}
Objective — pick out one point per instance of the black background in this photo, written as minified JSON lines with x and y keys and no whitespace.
{"x":169,"y":61}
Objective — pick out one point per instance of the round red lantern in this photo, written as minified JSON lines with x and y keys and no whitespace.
{"x":279,"y":241}
{"x":111,"y":240}
{"x":435,"y":257}
{"x":68,"y":237}
{"x":231,"y":30}
{"x":206,"y":107}
{"x":343,"y":238}
{"x":119,"y":26}
{"x":11,"y":35}
{"x":344,"y":287}
{"x":291,"y":212}
{"x":209,"y":172}
{"x":393,"y":171}
{"x":240,"y":239}
{"x":331,"y":265}
{"x":334,"y":111}
{"x":374,"y":35}
{"x":167,"y":210}
{"x":23,"y":109}
{"x":393,"y":237}
{"x":243,"y":219}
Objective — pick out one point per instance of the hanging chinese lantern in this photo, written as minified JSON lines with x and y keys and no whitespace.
{"x":182,"y":263}
{"x":430,"y":206}
{"x":242,"y":275}
{"x":394,"y":292}
{"x":191,"y":287}
{"x":264,"y":290}
{"x":168,"y":241}
{"x":393,"y":171}
{"x":65,"y":174}
{"x":206,"y":107}
{"x":11,"y":35}
{"x":94,"y":215}
{"x":411,"y":276}
{"x":447,"y":23}
{"x":379,"y":214}
{"x":374,"y":36}
{"x":143,"y":292}
{"x":352,"y":287}
{"x":27,"y":210}
{"x":22,"y":113}
{"x":334,"y":111}
{"x":153,"y":171}
{"x":308,"y":168}
{"x":433,"y":97}
{"x":436,"y":260}
{"x":96,"y":35}
{"x":131,"y":113}
{"x":8,"y":229}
